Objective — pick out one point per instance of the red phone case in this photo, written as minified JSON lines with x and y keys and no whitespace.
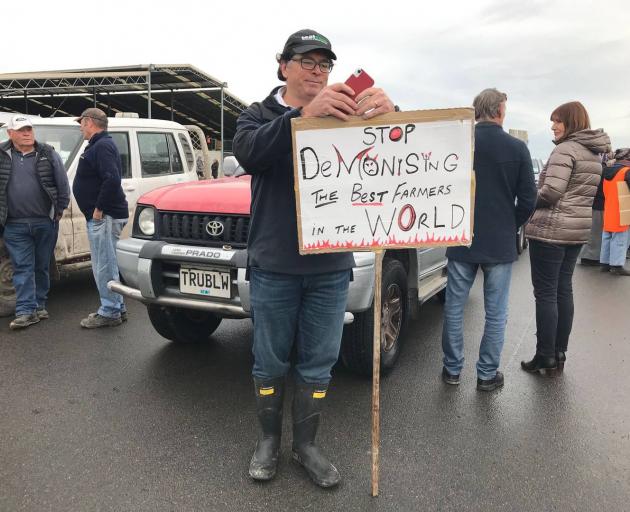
{"x":359,"y":81}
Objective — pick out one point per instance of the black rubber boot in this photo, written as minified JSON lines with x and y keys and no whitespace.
{"x":307,"y":406}
{"x":269,"y":396}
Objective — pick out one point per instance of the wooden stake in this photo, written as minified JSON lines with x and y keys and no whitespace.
{"x":376,"y":370}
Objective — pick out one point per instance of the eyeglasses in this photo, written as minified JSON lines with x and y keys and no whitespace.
{"x":325,"y":66}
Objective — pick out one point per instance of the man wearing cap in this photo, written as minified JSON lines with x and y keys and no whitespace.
{"x":34,"y":192}
{"x":100,"y":197}
{"x":294,"y":299}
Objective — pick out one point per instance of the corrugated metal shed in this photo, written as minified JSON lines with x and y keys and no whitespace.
{"x":178,"y":92}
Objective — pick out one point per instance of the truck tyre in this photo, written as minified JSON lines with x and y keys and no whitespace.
{"x":183,"y":325}
{"x":159,"y":321}
{"x":356,"y":347}
{"x":7,"y":292}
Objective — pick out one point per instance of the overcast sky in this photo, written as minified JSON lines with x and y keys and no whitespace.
{"x":424,"y":54}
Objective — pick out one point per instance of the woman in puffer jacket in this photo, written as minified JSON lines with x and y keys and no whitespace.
{"x":560,"y":226}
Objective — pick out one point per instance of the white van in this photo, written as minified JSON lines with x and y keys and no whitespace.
{"x":154,"y":153}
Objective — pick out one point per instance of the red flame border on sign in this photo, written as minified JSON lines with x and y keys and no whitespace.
{"x":391,"y":241}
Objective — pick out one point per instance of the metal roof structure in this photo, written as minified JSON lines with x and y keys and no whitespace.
{"x":177,"y":92}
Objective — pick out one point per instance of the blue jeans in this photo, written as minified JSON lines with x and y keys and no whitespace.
{"x":496,"y":290}
{"x":103,"y":235}
{"x":307,"y":310}
{"x":30,"y":246}
{"x":614,"y":247}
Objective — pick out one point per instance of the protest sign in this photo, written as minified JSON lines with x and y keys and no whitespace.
{"x":398,"y":180}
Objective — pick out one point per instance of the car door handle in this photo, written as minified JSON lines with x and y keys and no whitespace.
{"x":129,"y":188}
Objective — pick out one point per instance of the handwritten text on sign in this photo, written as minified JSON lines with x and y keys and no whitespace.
{"x":400,"y":180}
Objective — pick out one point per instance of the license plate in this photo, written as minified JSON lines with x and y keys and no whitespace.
{"x":210,"y":283}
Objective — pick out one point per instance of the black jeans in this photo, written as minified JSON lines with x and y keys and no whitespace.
{"x":552,"y":271}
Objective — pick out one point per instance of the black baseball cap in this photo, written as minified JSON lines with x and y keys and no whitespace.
{"x":307,"y":40}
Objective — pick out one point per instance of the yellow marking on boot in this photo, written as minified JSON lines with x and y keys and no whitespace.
{"x":319,"y":394}
{"x":266,"y":391}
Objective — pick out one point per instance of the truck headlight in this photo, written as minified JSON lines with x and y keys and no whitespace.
{"x":146,"y":221}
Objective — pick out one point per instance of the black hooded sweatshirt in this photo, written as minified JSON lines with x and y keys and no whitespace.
{"x":263,"y":146}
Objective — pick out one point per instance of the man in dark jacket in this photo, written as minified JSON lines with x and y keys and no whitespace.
{"x":101,"y":199}
{"x":34,"y":192}
{"x":505,"y":198}
{"x":294,"y":299}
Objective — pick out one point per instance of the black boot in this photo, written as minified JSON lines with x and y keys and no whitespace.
{"x":307,"y":406}
{"x":539,"y":364}
{"x":561,"y":358}
{"x":269,"y":396}
{"x":619,"y":270}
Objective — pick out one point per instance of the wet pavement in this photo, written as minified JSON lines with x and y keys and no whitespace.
{"x":120,"y":419}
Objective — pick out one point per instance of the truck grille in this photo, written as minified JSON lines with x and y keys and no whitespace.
{"x":190,"y":228}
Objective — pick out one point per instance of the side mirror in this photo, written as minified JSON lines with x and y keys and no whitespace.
{"x":231,"y":167}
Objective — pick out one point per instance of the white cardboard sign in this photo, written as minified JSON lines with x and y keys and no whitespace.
{"x":399,"y":180}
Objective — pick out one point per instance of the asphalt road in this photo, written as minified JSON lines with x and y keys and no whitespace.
{"x":120,"y":419}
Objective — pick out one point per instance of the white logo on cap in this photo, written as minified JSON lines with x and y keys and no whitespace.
{"x":313,"y":37}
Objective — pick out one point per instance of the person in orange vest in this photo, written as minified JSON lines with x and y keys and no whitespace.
{"x":615,"y":236}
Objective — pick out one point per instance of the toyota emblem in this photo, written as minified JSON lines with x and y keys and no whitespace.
{"x":214,"y":228}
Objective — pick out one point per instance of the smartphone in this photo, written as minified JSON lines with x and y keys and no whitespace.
{"x":359,"y":81}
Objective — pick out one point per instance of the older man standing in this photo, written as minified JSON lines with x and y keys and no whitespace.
{"x":100,"y":197}
{"x":505,"y":198}
{"x":294,"y":299}
{"x":34,"y":192}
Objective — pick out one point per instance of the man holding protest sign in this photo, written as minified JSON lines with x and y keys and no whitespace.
{"x":505,"y":198}
{"x":294,"y":299}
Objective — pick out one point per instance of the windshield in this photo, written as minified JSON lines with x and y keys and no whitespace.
{"x":65,"y":139}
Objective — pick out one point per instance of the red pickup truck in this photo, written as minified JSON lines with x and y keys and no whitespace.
{"x":186,"y":260}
